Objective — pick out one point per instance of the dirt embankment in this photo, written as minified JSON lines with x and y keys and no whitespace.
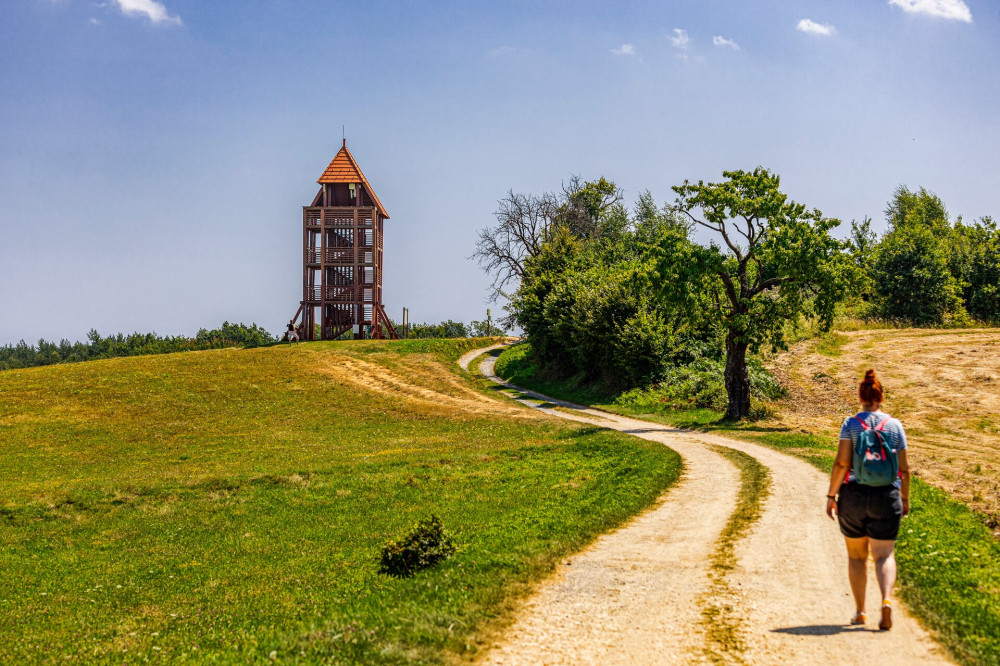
{"x":943,"y":385}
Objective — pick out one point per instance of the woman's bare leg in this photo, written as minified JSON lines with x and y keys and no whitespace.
{"x":857,"y":569}
{"x":885,"y":565}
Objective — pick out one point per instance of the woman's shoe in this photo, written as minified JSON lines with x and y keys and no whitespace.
{"x":886,"y":623}
{"x":859,"y":618}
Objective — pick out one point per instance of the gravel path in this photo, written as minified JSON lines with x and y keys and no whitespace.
{"x":635,"y":595}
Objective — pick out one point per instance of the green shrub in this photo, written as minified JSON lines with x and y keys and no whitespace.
{"x":701,"y":384}
{"x":425,"y":545}
{"x":516,"y":363}
{"x":913,"y":280}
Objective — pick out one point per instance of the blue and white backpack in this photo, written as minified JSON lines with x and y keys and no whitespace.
{"x":875,"y":462}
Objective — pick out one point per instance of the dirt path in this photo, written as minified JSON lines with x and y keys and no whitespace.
{"x":636,"y":595}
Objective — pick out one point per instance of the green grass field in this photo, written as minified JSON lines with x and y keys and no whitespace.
{"x":228,"y":505}
{"x":949,"y":560}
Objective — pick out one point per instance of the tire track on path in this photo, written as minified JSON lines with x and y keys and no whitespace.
{"x":632,"y":595}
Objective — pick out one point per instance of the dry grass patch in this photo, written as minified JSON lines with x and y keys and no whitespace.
{"x":941,"y":383}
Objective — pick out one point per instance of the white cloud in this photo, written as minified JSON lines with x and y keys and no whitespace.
{"x":94,"y":21}
{"x":151,"y":9}
{"x":680,"y":39}
{"x":947,"y":9}
{"x":624,"y":49}
{"x":722,"y":41}
{"x":811,"y":27}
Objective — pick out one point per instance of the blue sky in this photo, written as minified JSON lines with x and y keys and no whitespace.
{"x":154,"y":156}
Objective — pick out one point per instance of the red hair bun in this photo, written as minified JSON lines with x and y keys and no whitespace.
{"x":870,"y":390}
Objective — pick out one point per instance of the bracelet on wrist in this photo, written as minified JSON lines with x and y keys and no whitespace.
{"x":833,"y":497}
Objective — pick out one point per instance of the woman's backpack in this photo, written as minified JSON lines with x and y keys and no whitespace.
{"x":875,"y":462}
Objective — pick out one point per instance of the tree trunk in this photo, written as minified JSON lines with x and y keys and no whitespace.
{"x":737,"y":377}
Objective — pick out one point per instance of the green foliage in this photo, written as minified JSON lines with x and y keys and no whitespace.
{"x":622,"y":298}
{"x":591,"y":209}
{"x":910,"y":275}
{"x":484,"y":329}
{"x":949,"y":573}
{"x":778,"y":261}
{"x":695,"y":389}
{"x":23,"y":355}
{"x":424,"y":546}
{"x":974,"y":260}
{"x":446,"y":329}
{"x":453,"y":329}
{"x":921,"y":208}
{"x":607,"y":304}
{"x":928,"y":271}
{"x":516,"y":362}
{"x":700,"y":384}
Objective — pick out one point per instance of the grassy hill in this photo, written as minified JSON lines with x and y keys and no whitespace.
{"x":229,"y":505}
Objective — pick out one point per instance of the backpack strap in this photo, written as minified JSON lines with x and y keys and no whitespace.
{"x":864,"y":426}
{"x":881,"y":425}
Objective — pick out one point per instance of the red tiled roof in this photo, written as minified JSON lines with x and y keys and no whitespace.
{"x":343,"y":169}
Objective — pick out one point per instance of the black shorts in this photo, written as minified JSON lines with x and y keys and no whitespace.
{"x":869,"y":511}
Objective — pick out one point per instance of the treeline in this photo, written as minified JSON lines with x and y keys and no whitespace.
{"x":927,"y":270}
{"x":23,"y":355}
{"x":452,"y":329}
{"x":628,"y":296}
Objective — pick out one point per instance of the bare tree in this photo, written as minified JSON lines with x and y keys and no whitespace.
{"x":522,"y":223}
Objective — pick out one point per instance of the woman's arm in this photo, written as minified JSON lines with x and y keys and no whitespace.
{"x":904,"y":479}
{"x":840,"y":467}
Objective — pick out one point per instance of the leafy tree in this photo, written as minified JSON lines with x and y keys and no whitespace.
{"x":910,"y":272}
{"x":912,"y":278}
{"x":921,"y":208}
{"x":482,"y":329}
{"x":861,"y":245}
{"x":540,"y":297}
{"x":779,"y":262}
{"x":974,"y":260}
{"x":615,"y":303}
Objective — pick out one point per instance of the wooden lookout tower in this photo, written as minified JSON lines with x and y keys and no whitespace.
{"x":342,"y":257}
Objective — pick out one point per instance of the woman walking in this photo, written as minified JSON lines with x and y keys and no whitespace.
{"x":869,"y":494}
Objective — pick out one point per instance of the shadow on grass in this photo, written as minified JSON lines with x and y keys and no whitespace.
{"x":583,"y":432}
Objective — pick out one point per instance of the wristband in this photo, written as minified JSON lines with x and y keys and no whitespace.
{"x":833,"y":497}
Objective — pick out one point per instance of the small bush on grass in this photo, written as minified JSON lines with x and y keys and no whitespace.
{"x":425,"y":545}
